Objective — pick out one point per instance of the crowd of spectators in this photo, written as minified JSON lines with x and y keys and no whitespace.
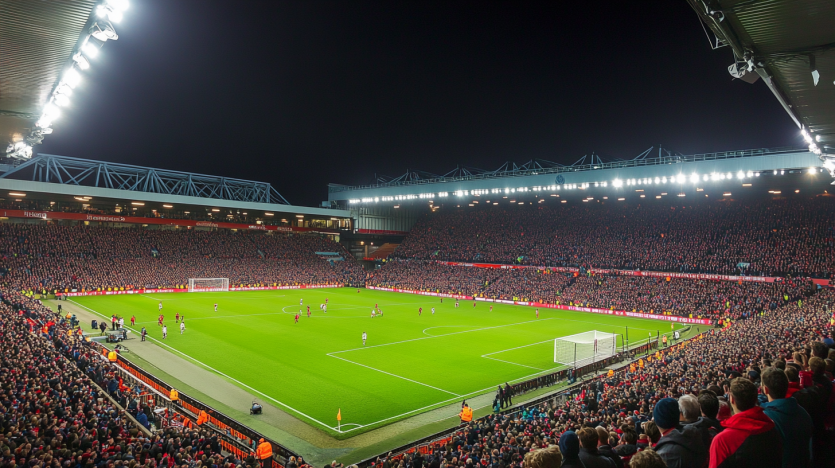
{"x":773,"y":237}
{"x":647,"y":294}
{"x":61,"y":406}
{"x":757,"y":393}
{"x":52,"y":257}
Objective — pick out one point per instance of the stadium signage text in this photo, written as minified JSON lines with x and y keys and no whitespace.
{"x":182,"y":290}
{"x":56,"y":215}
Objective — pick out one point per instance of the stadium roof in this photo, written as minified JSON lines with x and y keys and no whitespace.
{"x":533,"y":176}
{"x":37,"y":39}
{"x":790,"y":44}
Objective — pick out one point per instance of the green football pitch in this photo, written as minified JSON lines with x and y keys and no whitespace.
{"x":411,"y":363}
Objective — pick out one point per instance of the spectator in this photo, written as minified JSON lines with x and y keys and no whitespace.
{"x":647,"y":459}
{"x":793,"y":422}
{"x":589,"y":455}
{"x":549,"y":457}
{"x":750,"y":437}
{"x":570,"y":448}
{"x":678,"y":447}
{"x":605,"y":449}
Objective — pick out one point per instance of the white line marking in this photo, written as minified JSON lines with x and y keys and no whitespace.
{"x":218,"y":372}
{"x":394,"y":375}
{"x":360,"y":426}
{"x":442,"y":326}
{"x":514,"y":363}
{"x":439,"y":336}
{"x":518,"y":347}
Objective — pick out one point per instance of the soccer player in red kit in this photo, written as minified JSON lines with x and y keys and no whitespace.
{"x":177,"y":318}
{"x":159,"y":320}
{"x":132,"y":320}
{"x":473,"y":304}
{"x":420,"y":311}
{"x":297,"y":318}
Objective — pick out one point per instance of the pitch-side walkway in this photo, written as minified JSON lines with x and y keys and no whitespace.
{"x":316,"y":446}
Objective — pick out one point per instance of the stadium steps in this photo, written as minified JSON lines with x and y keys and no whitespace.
{"x":384,"y":251}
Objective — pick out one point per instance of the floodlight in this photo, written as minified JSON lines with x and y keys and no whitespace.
{"x":705,"y":177}
{"x":62,"y":100}
{"x":657,"y":180}
{"x":740,"y":175}
{"x":694,"y":178}
{"x":81,"y":61}
{"x":750,"y":174}
{"x":812,"y":170}
{"x":51,"y":110}
{"x":617,"y":183}
{"x":817,"y":138}
{"x":90,"y":50}
{"x":64,"y":89}
{"x":118,"y":5}
{"x":72,"y":78}
{"x":664,"y":179}
{"x":103,"y":31}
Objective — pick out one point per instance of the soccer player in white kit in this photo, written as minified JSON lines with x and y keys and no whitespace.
{"x":164,"y":332}
{"x":215,"y":307}
{"x":433,"y":311}
{"x":182,"y":327}
{"x":364,"y":337}
{"x":301,"y":301}
{"x":160,"y":305}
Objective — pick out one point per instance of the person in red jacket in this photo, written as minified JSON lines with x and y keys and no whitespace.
{"x":750,"y":437}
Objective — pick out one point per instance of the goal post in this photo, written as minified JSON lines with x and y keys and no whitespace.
{"x":584,"y":348}
{"x":208,"y":284}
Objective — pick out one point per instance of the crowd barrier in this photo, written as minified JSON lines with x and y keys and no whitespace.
{"x":594,"y":310}
{"x":236,"y":438}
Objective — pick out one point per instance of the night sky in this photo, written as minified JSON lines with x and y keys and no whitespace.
{"x":303,"y":93}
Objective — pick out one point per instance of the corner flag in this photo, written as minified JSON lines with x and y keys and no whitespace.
{"x":339,"y":415}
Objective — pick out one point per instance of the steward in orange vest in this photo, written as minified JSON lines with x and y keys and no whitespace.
{"x":174,"y":395}
{"x":112,"y":356}
{"x":466,"y":414}
{"x":264,"y":452}
{"x":202,"y":418}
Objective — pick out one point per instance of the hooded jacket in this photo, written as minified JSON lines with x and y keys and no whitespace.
{"x":609,"y":453}
{"x":682,"y":448}
{"x":750,"y":438}
{"x":795,"y":426}
{"x":594,"y":459}
{"x":570,"y":448}
{"x":708,"y":428}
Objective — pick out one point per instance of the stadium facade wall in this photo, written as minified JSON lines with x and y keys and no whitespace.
{"x":58,"y":215}
{"x":594,"y":310}
{"x":385,"y":218}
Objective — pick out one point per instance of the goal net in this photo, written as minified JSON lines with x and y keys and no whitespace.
{"x":584,"y":348}
{"x":208,"y":284}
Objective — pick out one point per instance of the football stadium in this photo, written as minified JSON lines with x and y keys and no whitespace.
{"x":651,"y":309}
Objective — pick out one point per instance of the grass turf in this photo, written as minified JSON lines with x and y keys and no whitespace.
{"x":313,"y":368}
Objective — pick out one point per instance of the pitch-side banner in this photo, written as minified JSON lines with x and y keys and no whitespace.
{"x":594,"y":310}
{"x":659,"y":274}
{"x":162,"y":221}
{"x":178,"y":290}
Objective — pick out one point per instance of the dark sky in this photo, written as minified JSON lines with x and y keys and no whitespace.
{"x":305,"y":92}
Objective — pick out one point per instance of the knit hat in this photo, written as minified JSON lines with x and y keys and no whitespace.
{"x":666,"y":413}
{"x":570,"y":444}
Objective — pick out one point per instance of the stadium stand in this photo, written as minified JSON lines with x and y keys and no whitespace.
{"x":775,"y":237}
{"x":669,"y":296}
{"x":675,"y":403}
{"x":61,"y":258}
{"x":63,"y":405}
